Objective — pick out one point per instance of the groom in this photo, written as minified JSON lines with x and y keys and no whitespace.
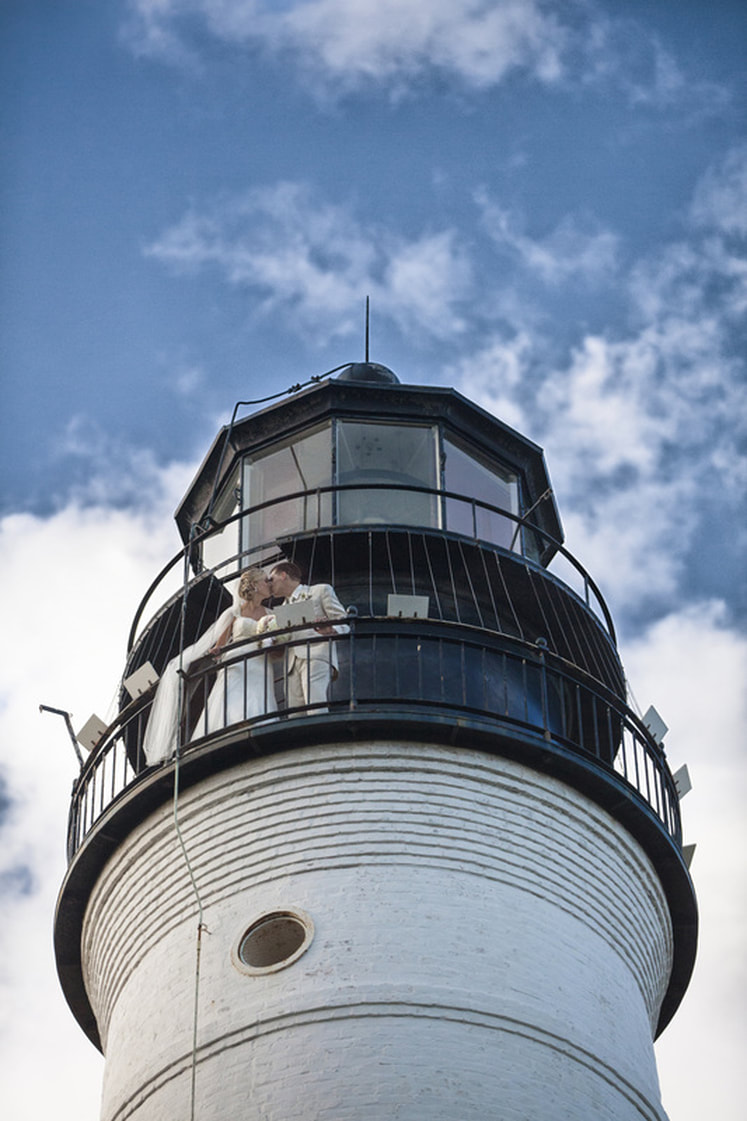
{"x":310,"y":664}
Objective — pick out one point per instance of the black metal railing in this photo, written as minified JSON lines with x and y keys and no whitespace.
{"x":465,"y":579}
{"x":320,"y":506}
{"x":440,"y":671}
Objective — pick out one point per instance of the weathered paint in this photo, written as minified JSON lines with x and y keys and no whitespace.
{"x":488,"y":943}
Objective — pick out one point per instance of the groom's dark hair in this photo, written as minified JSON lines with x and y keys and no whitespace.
{"x":290,"y":568}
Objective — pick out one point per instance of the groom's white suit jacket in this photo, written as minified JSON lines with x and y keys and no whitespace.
{"x":324,"y":604}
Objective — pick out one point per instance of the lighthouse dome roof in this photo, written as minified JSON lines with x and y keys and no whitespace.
{"x":369,"y":372}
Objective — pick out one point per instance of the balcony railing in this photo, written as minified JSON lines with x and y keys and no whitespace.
{"x":436,"y":671}
{"x":318,"y":506}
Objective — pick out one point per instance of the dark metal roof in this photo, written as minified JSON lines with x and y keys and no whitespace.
{"x":369,"y":372}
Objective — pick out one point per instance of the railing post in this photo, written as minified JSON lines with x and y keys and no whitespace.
{"x":72,"y":827}
{"x":541,"y":645}
{"x":353,"y":702}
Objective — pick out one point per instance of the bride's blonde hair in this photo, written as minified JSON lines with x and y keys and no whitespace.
{"x":248,"y":582}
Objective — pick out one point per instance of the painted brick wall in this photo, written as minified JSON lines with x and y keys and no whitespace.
{"x":487,"y":944}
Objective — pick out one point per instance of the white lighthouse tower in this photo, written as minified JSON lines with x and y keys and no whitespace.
{"x":452,"y":889}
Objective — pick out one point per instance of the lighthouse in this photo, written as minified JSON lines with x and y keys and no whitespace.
{"x":449,"y":885}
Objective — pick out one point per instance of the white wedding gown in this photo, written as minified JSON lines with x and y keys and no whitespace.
{"x":243,"y":689}
{"x":257,"y":698}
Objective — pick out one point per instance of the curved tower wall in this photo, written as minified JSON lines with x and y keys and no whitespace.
{"x":452,"y":889}
{"x":487,"y":942}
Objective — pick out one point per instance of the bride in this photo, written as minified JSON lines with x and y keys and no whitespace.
{"x":243,"y":688}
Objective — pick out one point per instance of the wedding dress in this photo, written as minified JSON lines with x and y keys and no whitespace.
{"x":161,"y":734}
{"x":244,"y":688}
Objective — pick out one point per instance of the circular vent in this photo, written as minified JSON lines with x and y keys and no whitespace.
{"x":273,"y":941}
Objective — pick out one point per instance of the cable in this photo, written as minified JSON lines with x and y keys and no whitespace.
{"x":180,"y":837}
{"x":545,"y":494}
{"x":181,"y":705}
{"x":261,"y":401}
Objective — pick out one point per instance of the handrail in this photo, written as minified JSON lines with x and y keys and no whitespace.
{"x":441,"y":669}
{"x":202,"y":535}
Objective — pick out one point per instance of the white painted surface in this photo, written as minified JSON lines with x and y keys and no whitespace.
{"x":488,"y":944}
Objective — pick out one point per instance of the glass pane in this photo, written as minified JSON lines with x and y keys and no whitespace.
{"x":404,"y":454}
{"x":467,"y":474}
{"x":223,"y":545}
{"x":298,"y":465}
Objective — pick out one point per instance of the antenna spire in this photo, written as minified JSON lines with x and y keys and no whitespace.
{"x":367,"y":323}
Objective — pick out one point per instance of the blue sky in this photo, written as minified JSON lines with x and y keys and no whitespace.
{"x":547,"y":204}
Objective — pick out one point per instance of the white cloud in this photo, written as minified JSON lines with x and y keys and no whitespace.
{"x":396,"y":45}
{"x":693,"y":668}
{"x":188,"y":379}
{"x":720,"y":199}
{"x":697,"y":286}
{"x":632,"y":430}
{"x":644,"y":431}
{"x":494,"y":375}
{"x":599,"y":403}
{"x":314,"y":260}
{"x":478,"y":41}
{"x":71,"y":583}
{"x":575,"y":249}
{"x":380,"y":42}
{"x":424,"y":284}
{"x":626,"y":55}
{"x":633,"y":542}
{"x":111,"y":471}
